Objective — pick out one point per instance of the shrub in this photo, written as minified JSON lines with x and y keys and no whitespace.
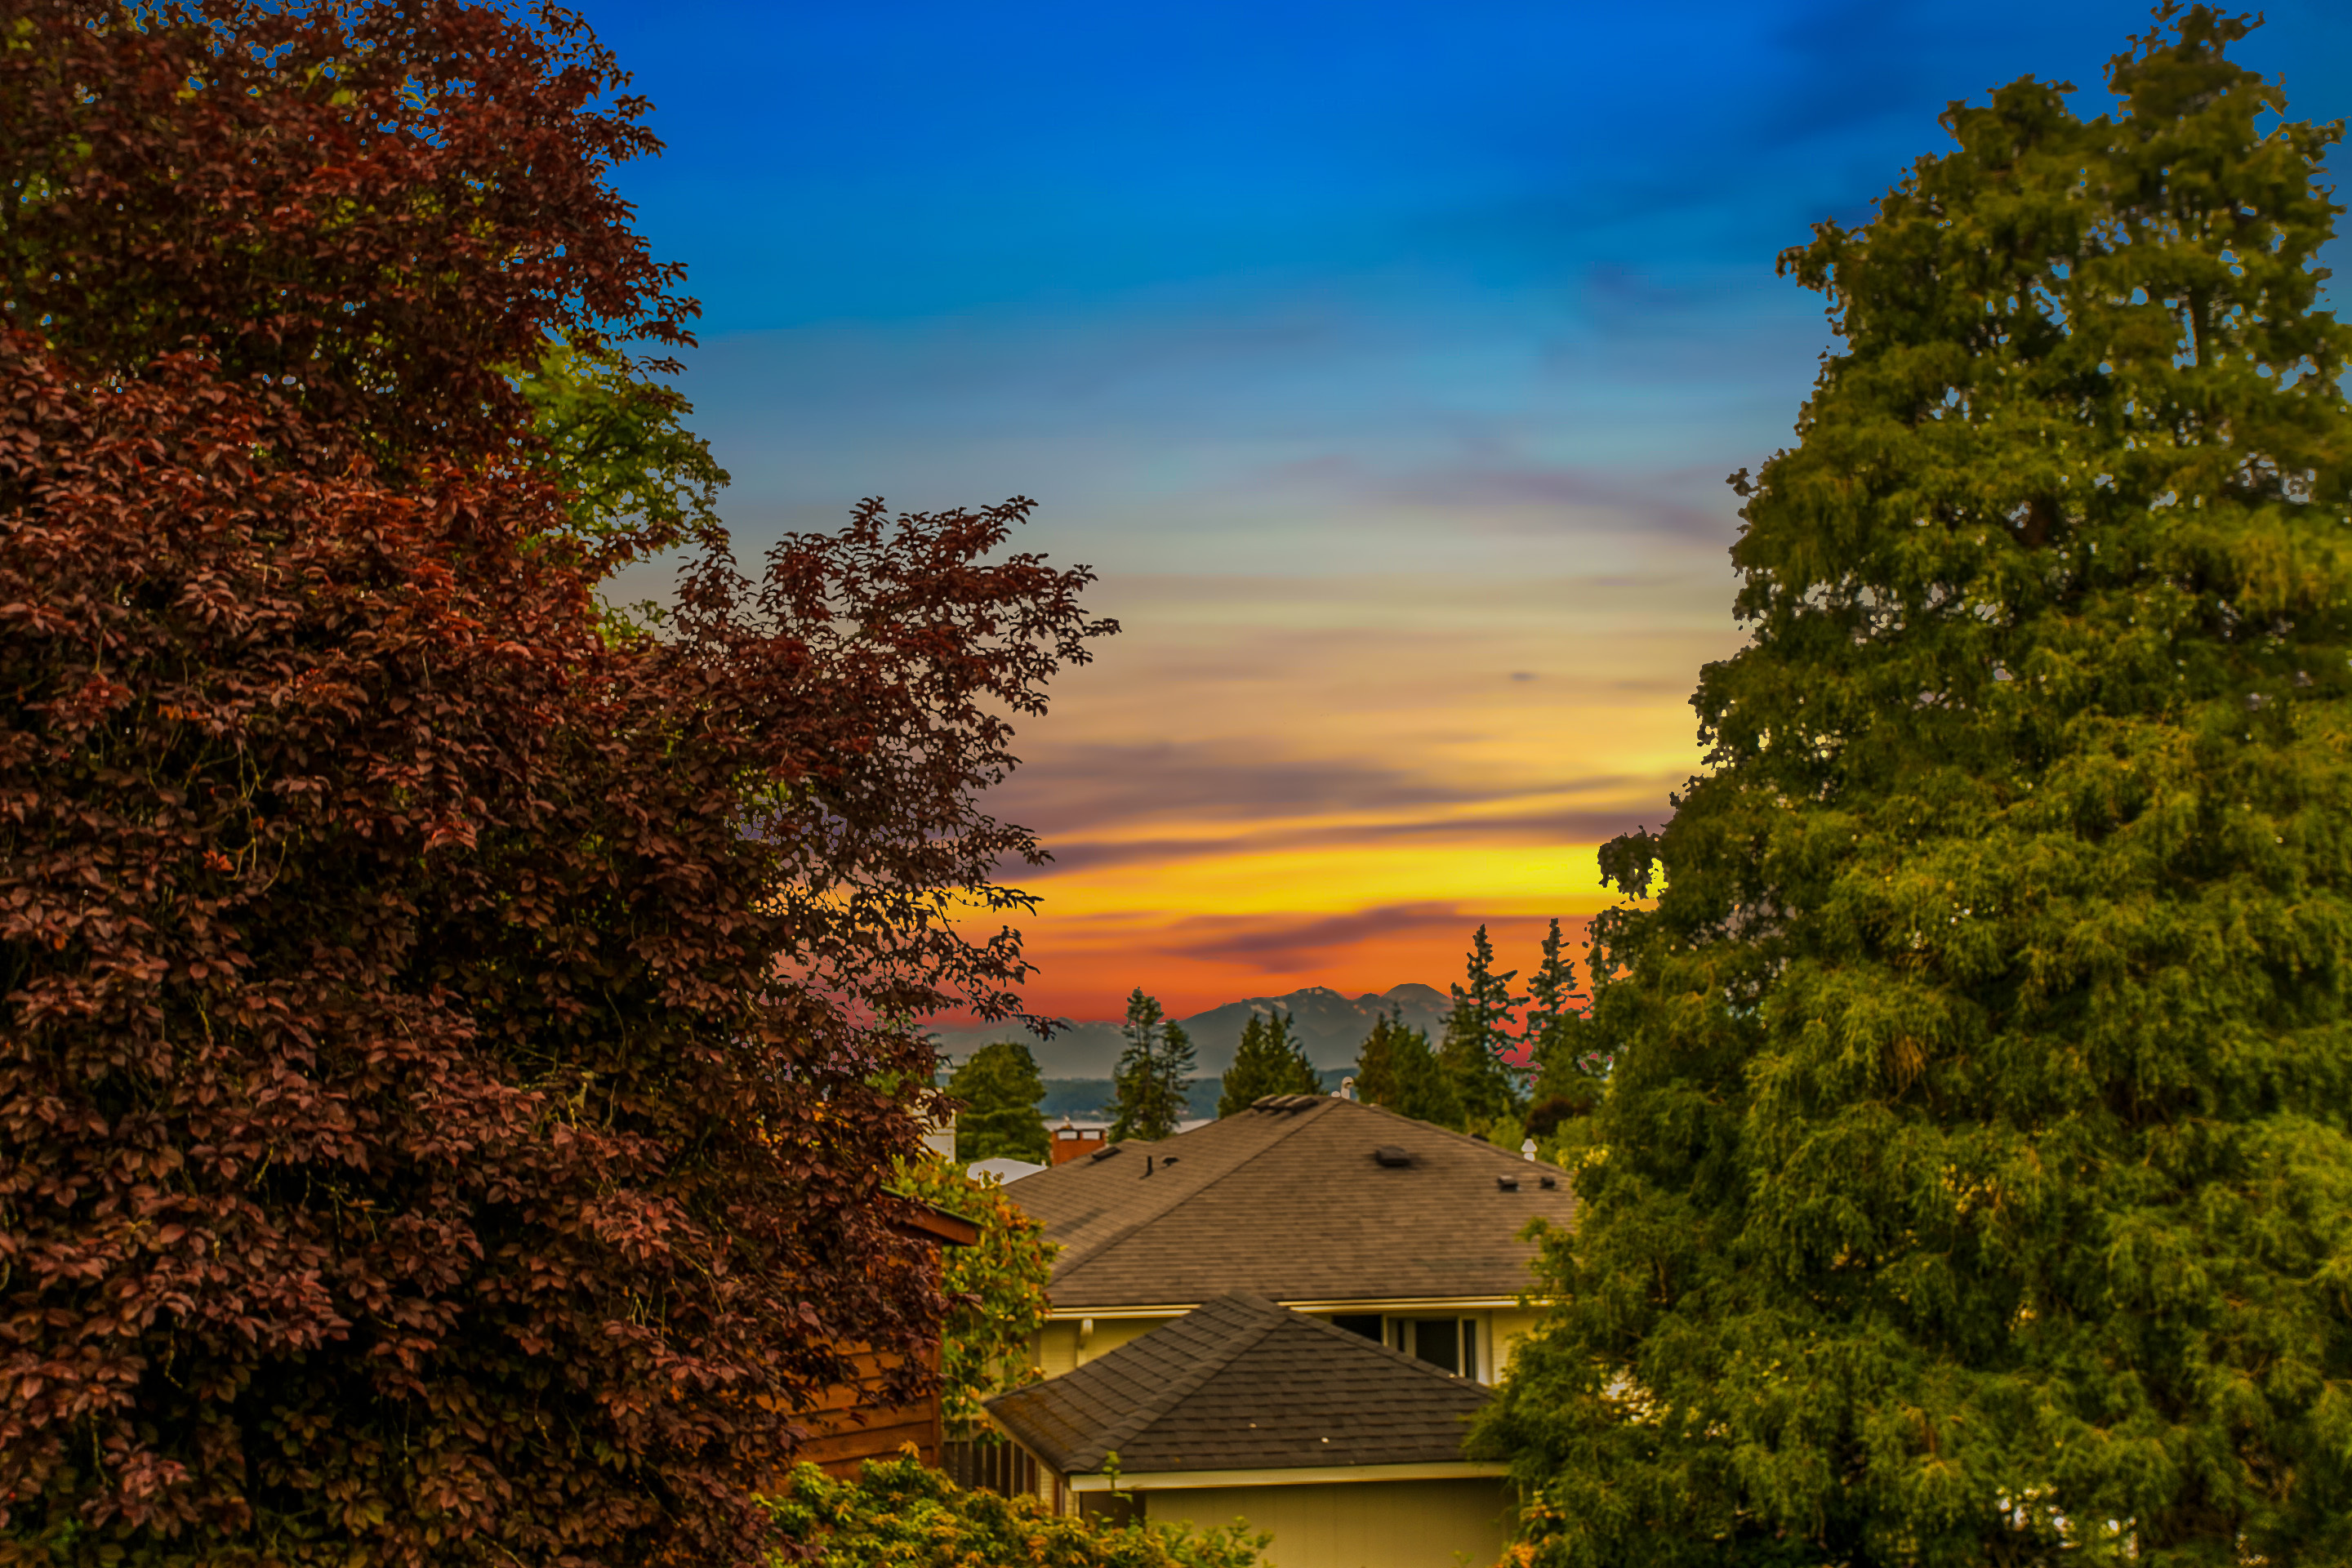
{"x":903,"y":1514}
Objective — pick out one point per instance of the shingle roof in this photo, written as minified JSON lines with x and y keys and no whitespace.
{"x":1243,"y":1385}
{"x":1287,"y":1200}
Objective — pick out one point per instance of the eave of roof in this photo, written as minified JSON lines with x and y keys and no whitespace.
{"x":1296,"y":1476}
{"x":1320,"y":1307}
{"x":916,"y":1217}
{"x":1242,"y":1386}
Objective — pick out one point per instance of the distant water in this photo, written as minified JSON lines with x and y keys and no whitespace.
{"x":1088,"y":1098}
{"x":1331,"y":1025}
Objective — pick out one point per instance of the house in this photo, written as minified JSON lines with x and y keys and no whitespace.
{"x":850,"y":1424}
{"x":1075,"y":1143}
{"x":1287,"y":1316}
{"x":1402,"y":1232}
{"x":1347,"y":1451}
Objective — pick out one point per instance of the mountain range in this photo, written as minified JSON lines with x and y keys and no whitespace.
{"x":1327,"y":1023}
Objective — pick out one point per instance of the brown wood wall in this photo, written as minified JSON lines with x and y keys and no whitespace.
{"x":847,"y":1427}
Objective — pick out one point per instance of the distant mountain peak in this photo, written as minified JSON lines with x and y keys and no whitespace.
{"x":1329,"y":1024}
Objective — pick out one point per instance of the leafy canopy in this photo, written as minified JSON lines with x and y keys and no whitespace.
{"x":1269,"y":1059}
{"x":1975,"y":1180}
{"x":443,"y":1110}
{"x":999,"y":1090}
{"x":995,"y":1289}
{"x":1396,"y":1070}
{"x":614,"y":444}
{"x":900,"y":1512}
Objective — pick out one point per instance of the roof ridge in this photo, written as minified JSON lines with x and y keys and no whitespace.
{"x":1183,"y":1388}
{"x":1512,"y":1155}
{"x":1293,"y":1120}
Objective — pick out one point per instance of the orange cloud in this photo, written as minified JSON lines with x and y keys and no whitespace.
{"x":1268,"y":783}
{"x":1197,"y":964}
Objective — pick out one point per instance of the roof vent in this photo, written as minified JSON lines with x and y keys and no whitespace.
{"x":1547,"y":1182}
{"x":1508,"y":1184}
{"x":1391,"y":1156}
{"x":1105,"y":1152}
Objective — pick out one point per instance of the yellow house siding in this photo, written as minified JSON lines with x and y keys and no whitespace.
{"x":1510,"y":1325}
{"x":1057,"y":1342}
{"x":1367,"y":1524}
{"x":1500,"y":1330}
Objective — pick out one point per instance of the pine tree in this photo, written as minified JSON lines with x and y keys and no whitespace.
{"x":999,"y":1087}
{"x":1976,"y":1184}
{"x":1155,"y":1070}
{"x":1478,"y":1031}
{"x":1269,"y":1060}
{"x":1553,"y":1033}
{"x":1396,"y":1070}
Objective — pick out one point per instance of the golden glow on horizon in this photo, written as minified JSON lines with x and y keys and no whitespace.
{"x":1266,"y":784}
{"x":1335,"y":878}
{"x":1091,"y":964}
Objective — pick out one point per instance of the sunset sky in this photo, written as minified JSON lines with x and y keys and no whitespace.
{"x":1385,"y":360}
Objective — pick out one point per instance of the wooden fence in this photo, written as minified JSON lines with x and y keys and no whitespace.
{"x":989,"y":1465}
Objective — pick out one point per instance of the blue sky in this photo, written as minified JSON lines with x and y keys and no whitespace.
{"x":1385,"y":359}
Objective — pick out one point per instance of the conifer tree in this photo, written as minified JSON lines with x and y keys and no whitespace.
{"x":1553,"y":1035}
{"x":1155,"y":1070}
{"x":999,"y":1088}
{"x":1269,"y":1060}
{"x":1478,"y":1031}
{"x":1975,"y":1184}
{"x":1397,"y":1071}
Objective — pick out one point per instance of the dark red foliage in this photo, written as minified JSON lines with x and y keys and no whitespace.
{"x":377,"y":205}
{"x":447,"y":1061}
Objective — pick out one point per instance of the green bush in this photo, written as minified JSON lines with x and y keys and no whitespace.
{"x":902,"y":1513}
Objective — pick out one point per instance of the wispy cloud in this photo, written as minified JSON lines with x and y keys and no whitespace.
{"x":1277,"y":945}
{"x":1087,"y":787}
{"x":1390,"y":386}
{"x":1569,"y":498}
{"x":1483,"y":832}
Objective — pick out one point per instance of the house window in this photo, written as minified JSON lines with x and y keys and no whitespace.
{"x":1448,"y":1342}
{"x":1365,"y":1324}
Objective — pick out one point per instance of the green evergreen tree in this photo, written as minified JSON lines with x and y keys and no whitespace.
{"x":1269,"y":1060}
{"x":1376,"y":1061}
{"x":1155,"y":1070}
{"x":1553,"y":1033}
{"x":999,"y":1087}
{"x":1396,"y":1070}
{"x":1975,"y":1186}
{"x":1477,"y":1033}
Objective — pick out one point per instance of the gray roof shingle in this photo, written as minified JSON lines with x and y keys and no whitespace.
{"x":1243,"y":1385}
{"x":1287,"y":1200}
